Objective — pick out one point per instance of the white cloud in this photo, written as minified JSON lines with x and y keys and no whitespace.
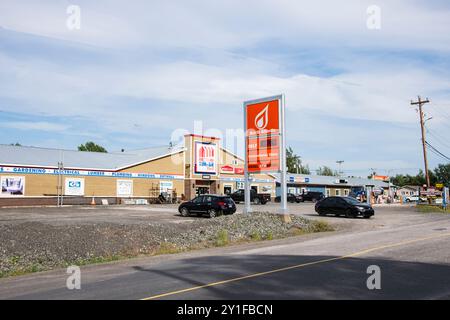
{"x":378,"y":95}
{"x":233,"y":23}
{"x":40,"y":126}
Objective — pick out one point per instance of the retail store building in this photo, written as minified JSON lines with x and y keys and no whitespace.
{"x":35,"y":176}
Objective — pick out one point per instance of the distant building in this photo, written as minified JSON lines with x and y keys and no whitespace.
{"x":407,"y":191}
{"x":331,"y":185}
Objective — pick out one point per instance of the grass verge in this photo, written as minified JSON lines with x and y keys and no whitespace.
{"x":426,"y":208}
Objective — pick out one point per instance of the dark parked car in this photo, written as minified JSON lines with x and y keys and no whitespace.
{"x":345,"y":206}
{"x":257,"y":198}
{"x":290,"y":198}
{"x":209,"y":204}
{"x":313,"y":196}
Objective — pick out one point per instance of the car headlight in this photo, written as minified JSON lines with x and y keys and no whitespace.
{"x":360,"y":208}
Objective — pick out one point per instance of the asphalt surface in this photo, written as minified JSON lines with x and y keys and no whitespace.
{"x":411,"y":249}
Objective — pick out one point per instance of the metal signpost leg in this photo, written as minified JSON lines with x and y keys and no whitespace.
{"x":248,"y":207}
{"x":284,"y":208}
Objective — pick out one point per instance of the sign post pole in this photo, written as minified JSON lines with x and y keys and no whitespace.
{"x":248,"y":207}
{"x":445,"y":199}
{"x":283,"y":160}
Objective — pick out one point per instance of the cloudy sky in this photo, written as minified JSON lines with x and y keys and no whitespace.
{"x":137,"y":70}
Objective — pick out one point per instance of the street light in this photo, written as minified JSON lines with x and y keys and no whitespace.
{"x":298,"y":163}
{"x":340,"y":162}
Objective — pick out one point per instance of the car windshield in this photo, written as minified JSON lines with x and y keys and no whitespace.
{"x":227,"y":199}
{"x":352,"y":200}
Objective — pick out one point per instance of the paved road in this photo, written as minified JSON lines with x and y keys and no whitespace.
{"x":411,"y":249}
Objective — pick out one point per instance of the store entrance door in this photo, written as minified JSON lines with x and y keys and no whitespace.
{"x":227,"y":189}
{"x":201,"y":190}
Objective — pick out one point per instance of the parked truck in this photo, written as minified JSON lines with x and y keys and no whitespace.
{"x":256,"y":198}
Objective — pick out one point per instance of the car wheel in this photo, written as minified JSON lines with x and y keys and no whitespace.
{"x":257,"y":201}
{"x":212,"y":213}
{"x":314,"y":200}
{"x":407,"y":200}
{"x":349,"y":214}
{"x":184,"y":212}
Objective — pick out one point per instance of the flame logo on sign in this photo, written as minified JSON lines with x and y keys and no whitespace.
{"x":262,"y":119}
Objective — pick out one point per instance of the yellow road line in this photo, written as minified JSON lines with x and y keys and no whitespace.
{"x":259,"y":274}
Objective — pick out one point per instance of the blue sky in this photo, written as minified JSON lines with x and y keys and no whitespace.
{"x":134,"y":73}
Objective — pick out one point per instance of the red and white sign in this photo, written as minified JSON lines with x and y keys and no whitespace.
{"x":231,"y":170}
{"x":263,"y":139}
{"x":227,"y":169}
{"x":205,"y":158}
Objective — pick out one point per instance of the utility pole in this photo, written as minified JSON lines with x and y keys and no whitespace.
{"x":420,"y":103}
{"x":298,"y":163}
{"x":340,"y":162}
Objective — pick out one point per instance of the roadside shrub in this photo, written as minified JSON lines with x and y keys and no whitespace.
{"x":320,"y":226}
{"x":167,"y":248}
{"x":255,"y":236}
{"x":222,"y":238}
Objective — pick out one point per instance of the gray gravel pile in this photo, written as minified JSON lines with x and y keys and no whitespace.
{"x":35,"y":246}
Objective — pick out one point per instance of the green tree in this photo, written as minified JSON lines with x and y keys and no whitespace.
{"x":91,"y":147}
{"x":15,"y":144}
{"x":293,"y":160}
{"x":417,"y":180}
{"x":326,"y":171}
{"x":442,"y":173}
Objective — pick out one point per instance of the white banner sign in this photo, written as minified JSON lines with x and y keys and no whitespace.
{"x":70,"y":172}
{"x":124,"y":188}
{"x":74,"y":187}
{"x":12,"y":186}
{"x":165,"y":186}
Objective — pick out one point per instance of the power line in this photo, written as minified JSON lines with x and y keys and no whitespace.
{"x":441,"y":112}
{"x":438,"y":155}
{"x":438,"y":137}
{"x":436,"y":150}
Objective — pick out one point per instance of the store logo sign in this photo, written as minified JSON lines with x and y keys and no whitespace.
{"x":74,"y":184}
{"x":205,"y":158}
{"x":262,"y":119}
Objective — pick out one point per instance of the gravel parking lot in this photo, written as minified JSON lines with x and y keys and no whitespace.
{"x":41,"y":238}
{"x":168,"y":215}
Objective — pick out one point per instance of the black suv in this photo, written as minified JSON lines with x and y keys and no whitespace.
{"x":257,"y":198}
{"x":209,"y":204}
{"x":290,"y":198}
{"x":344,"y":206}
{"x":313,"y":196}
